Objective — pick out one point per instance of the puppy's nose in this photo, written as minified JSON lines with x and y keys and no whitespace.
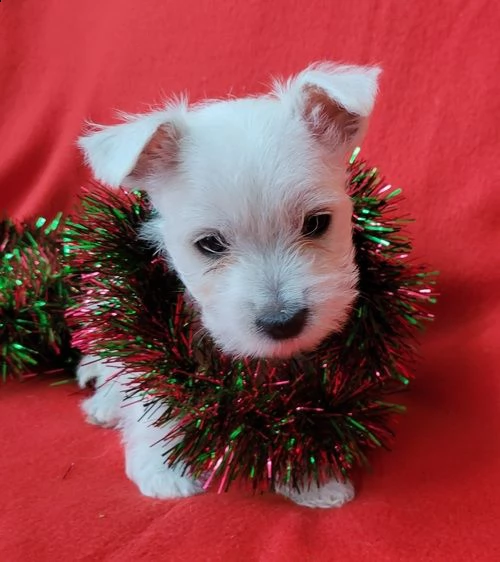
{"x":283,"y":325}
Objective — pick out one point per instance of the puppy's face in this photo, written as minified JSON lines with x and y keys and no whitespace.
{"x":252,"y":209}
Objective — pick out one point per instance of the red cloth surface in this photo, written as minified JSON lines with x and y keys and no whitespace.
{"x":63,"y":492}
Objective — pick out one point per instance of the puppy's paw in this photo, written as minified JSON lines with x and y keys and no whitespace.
{"x":165,"y":484}
{"x":331,"y":494}
{"x":102,"y":409}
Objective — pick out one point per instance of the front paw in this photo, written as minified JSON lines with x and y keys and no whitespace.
{"x":331,"y":494}
{"x":102,"y":410}
{"x":165,"y":484}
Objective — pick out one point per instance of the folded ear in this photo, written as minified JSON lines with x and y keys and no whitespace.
{"x":128,"y":153}
{"x":334,"y":100}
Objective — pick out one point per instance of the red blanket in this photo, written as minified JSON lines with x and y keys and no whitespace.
{"x":63,"y":492}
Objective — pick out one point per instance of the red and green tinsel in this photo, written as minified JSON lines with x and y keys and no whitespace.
{"x":34,"y":295}
{"x":273,"y":422}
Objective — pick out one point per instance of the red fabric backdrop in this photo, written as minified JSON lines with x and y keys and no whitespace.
{"x":63,"y":492}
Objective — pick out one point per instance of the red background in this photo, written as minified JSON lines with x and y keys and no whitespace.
{"x":434,"y":131}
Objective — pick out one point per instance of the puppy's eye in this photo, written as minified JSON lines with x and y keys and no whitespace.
{"x":212,"y":246}
{"x":316,"y":225}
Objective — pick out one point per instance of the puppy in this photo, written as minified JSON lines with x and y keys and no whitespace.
{"x":254,"y":218}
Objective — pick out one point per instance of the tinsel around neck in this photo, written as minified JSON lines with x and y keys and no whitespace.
{"x":274,"y":422}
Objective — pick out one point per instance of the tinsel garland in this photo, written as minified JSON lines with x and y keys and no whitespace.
{"x":273,"y":422}
{"x":34,"y":295}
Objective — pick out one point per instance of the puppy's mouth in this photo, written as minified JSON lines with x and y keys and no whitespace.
{"x":286,"y":348}
{"x":285,"y":351}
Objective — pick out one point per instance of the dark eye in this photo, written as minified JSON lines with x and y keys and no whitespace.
{"x":316,"y":225}
{"x":212,"y":246}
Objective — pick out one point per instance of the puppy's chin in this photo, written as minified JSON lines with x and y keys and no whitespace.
{"x":266,"y":348}
{"x":287,"y":349}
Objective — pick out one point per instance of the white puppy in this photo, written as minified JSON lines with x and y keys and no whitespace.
{"x":254,"y":218}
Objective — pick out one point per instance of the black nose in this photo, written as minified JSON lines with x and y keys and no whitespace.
{"x":283,"y":325}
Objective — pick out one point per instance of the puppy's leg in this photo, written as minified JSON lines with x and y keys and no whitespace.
{"x":145,"y":464}
{"x":331,"y":494}
{"x":104,"y":407}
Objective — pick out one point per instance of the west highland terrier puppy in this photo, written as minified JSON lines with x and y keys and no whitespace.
{"x":255,"y":220}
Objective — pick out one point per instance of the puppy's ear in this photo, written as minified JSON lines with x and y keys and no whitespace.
{"x":128,"y":153}
{"x":334,"y":100}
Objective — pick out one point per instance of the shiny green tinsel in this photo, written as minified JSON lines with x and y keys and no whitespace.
{"x":34,"y":295}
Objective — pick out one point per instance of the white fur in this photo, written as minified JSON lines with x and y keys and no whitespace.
{"x":144,"y":462}
{"x":249,"y":170}
{"x":353,"y":87}
{"x":112,"y":152}
{"x":331,"y":494}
